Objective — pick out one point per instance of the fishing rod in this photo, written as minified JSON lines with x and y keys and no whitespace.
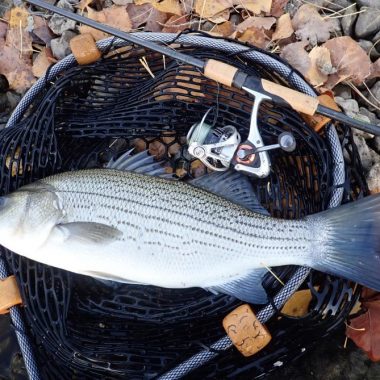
{"x":221,"y":148}
{"x":224,"y":73}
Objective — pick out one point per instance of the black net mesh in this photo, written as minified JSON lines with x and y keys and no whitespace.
{"x":83,"y":328}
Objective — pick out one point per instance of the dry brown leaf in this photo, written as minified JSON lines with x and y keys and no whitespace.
{"x":3,"y":29}
{"x":375,"y":69}
{"x":18,"y":18}
{"x":18,"y":70}
{"x":319,"y":60}
{"x":176,"y":24}
{"x":298,"y":304}
{"x":146,"y":14}
{"x":364,"y":330}
{"x":42,"y":62}
{"x":225,"y":29}
{"x":350,"y":60}
{"x":166,"y":6}
{"x":284,"y":28}
{"x":42,"y":30}
{"x":278,"y":6}
{"x":310,"y":26}
{"x":209,"y":8}
{"x":256,"y":22}
{"x":220,"y":17}
{"x":297,"y":56}
{"x":254,"y":6}
{"x":83,"y":4}
{"x":256,"y":37}
{"x":115,"y":16}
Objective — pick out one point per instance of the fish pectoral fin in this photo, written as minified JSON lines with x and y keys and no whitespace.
{"x":247,"y":288}
{"x":86,"y":232}
{"x":233,"y":186}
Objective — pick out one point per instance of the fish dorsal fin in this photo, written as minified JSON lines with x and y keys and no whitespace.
{"x":85,"y":232}
{"x":142,"y":163}
{"x":247,"y":288}
{"x":233,"y":186}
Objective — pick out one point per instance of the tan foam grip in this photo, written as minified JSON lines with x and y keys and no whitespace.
{"x":9,"y":294}
{"x":84,"y":49}
{"x":220,"y":72}
{"x":298,"y":101}
{"x":245,"y":331}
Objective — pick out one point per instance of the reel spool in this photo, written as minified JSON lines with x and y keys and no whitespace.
{"x":220,"y":147}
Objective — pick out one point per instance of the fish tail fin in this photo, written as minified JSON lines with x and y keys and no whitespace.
{"x":350,"y":247}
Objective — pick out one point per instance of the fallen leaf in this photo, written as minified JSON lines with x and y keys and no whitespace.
{"x":148,"y":15}
{"x":42,"y":30}
{"x":209,"y":8}
{"x":320,"y":64}
{"x":310,"y":26}
{"x":176,"y":24}
{"x":115,"y":16}
{"x":42,"y":62}
{"x":18,"y":70}
{"x":83,"y":4}
{"x":225,"y":29}
{"x":220,"y":17}
{"x":277,"y":8}
{"x":284,"y":28}
{"x":3,"y":29}
{"x":298,"y":304}
{"x":254,"y":6}
{"x":364,"y":329}
{"x":349,"y":59}
{"x":256,"y":37}
{"x":375,"y":69}
{"x":256,"y":22}
{"x":166,"y":6}
{"x":18,"y":18}
{"x":297,"y":56}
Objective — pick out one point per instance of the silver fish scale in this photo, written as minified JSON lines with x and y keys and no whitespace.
{"x":178,"y":230}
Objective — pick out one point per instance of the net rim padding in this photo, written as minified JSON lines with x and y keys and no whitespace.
{"x":255,"y":55}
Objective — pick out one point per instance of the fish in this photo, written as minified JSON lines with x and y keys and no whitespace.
{"x":126,"y":223}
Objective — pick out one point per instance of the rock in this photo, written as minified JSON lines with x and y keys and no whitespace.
{"x":364,"y":119}
{"x":368,"y":22}
{"x":373,"y":178}
{"x":58,"y":24}
{"x":4,"y":84}
{"x":343,"y":91}
{"x":375,"y":90}
{"x":367,"y":155}
{"x":368,"y":3}
{"x":367,"y":46}
{"x":61,"y":46}
{"x":376,"y":38}
{"x":4,"y":6}
{"x":338,"y":5}
{"x":348,"y":22}
{"x":13,"y":99}
{"x":350,"y":106}
{"x":122,"y":2}
{"x":371,"y":115}
{"x":3,"y":103}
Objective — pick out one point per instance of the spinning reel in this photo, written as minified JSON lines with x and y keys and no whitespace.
{"x":219,"y":148}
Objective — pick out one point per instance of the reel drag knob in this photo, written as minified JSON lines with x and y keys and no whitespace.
{"x":287,"y":142}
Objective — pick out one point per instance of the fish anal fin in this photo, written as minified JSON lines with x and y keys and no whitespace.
{"x":247,"y":288}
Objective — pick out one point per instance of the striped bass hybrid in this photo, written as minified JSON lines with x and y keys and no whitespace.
{"x":126,"y":224}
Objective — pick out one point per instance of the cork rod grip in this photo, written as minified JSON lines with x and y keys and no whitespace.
{"x":298,"y":101}
{"x":220,"y":72}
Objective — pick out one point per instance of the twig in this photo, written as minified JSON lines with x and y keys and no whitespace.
{"x":345,"y":342}
{"x":361,"y":95}
{"x":350,"y":14}
{"x":273,"y":274}
{"x":353,"y":328}
{"x":144,"y":62}
{"x":201,"y":15}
